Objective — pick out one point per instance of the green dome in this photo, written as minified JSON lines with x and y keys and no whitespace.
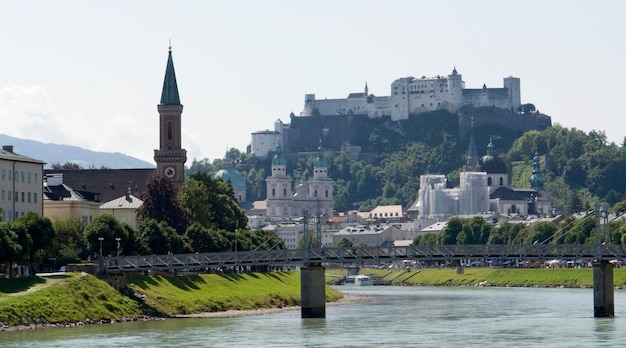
{"x":237,"y":181}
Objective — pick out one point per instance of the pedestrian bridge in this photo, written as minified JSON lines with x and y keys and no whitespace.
{"x":354,"y":255}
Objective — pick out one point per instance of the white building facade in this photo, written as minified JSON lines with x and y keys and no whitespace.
{"x":21,"y":185}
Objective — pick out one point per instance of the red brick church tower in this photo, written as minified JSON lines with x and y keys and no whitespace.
{"x":170,"y":157}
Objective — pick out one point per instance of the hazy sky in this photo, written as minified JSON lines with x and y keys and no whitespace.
{"x":90,"y":73}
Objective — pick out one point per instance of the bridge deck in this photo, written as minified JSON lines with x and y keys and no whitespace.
{"x":358,"y":255}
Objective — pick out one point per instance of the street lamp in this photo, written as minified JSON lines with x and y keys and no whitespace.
{"x":118,"y":245}
{"x":100,"y":239}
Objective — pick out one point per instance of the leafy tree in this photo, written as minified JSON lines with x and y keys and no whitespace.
{"x":540,"y":232}
{"x":109,"y":229}
{"x":161,"y":238}
{"x":449,"y":234}
{"x":66,"y":165}
{"x":527,"y":108}
{"x":202,"y":239}
{"x":426,"y":239}
{"x":160,"y":203}
{"x":40,"y":230}
{"x":10,"y":249}
{"x":344,"y":243}
{"x":216,"y":199}
{"x":69,"y":239}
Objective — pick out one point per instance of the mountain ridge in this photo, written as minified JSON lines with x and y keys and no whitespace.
{"x":51,"y":154}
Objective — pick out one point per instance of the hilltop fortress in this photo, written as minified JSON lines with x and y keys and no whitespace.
{"x":411,"y":95}
{"x":345,"y":124}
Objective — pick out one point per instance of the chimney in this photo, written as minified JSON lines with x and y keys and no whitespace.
{"x":7,"y":148}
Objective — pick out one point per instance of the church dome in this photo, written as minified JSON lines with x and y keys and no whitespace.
{"x":237,"y":181}
{"x":491,"y":163}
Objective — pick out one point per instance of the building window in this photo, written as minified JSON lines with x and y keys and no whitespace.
{"x":22,"y":196}
{"x":273,"y":192}
{"x":169,"y":130}
{"x":16,"y":196}
{"x":3,"y":195}
{"x":15,"y":177}
{"x":9,"y":197}
{"x":30,"y":177}
{"x":4,"y":173}
{"x":488,"y":181}
{"x":501,"y":181}
{"x":22,"y":175}
{"x":29,"y":197}
{"x":35,"y":197}
{"x":284,"y":192}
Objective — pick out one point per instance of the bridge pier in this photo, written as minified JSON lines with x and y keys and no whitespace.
{"x":312,"y":291}
{"x":603,"y":300}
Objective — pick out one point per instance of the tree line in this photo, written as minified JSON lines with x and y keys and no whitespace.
{"x":203,"y":216}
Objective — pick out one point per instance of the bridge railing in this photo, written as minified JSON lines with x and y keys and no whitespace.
{"x":208,"y":261}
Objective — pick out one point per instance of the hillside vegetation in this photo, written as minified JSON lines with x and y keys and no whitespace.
{"x":581,"y":168}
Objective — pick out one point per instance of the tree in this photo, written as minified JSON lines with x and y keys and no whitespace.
{"x":211,"y":203}
{"x":448,"y":235}
{"x":527,"y":108}
{"x":344,"y":243}
{"x":109,"y":229}
{"x":202,"y":239}
{"x":69,"y":239}
{"x":161,"y":238}
{"x":160,"y":203}
{"x":10,"y":249}
{"x":39,"y":229}
{"x":66,"y":165}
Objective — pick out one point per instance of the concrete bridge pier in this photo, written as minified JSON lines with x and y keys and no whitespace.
{"x":603,"y":299}
{"x":312,"y":291}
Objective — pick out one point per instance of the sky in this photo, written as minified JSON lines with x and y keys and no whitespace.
{"x":90,"y":73}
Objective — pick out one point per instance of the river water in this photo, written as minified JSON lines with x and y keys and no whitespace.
{"x":395,"y":317}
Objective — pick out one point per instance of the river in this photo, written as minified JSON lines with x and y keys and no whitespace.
{"x":396,"y":316}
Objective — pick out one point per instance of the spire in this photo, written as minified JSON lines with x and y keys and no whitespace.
{"x":472,"y":154}
{"x":169,"y":95}
{"x":366,"y":89}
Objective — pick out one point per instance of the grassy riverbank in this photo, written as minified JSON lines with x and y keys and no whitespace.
{"x":540,"y":277}
{"x":75,"y":297}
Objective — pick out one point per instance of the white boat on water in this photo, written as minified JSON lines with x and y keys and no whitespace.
{"x":363,"y":280}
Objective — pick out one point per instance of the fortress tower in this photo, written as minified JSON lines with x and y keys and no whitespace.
{"x":170,"y":157}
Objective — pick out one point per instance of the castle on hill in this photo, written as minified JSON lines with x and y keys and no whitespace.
{"x":341,"y":122}
{"x":410,"y":95}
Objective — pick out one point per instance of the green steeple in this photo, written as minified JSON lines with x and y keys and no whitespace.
{"x":320,"y":161}
{"x":169,"y":96}
{"x":537,"y":179}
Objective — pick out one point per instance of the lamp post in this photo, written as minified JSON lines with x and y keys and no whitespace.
{"x":100,"y":239}
{"x":118,"y":245}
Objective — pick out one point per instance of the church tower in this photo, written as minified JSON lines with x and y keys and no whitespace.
{"x":170,"y":157}
{"x":321,"y":186}
{"x":279,"y":196}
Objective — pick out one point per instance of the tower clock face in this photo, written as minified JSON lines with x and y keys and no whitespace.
{"x":169,"y":172}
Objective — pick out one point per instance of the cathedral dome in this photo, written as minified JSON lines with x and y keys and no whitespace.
{"x":237,"y":181}
{"x":491,"y":163}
